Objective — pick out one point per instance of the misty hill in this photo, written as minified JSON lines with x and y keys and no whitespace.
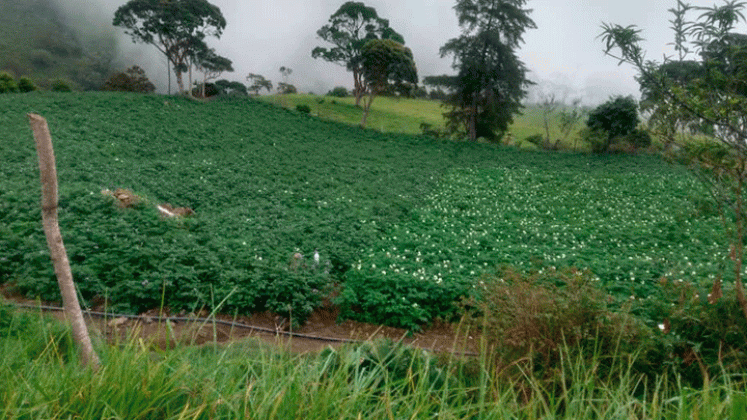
{"x":38,"y":41}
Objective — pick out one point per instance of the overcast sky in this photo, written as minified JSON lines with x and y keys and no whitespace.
{"x":563,"y":53}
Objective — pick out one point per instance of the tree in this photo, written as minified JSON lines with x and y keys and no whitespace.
{"x":384,"y":63}
{"x":210,"y":64}
{"x":131,"y":80}
{"x":174,"y":27}
{"x":570,"y":117}
{"x":548,"y":107}
{"x":615,"y":118}
{"x":226,"y":87}
{"x":490,"y":80}
{"x":286,"y":88}
{"x":258,"y":82}
{"x":714,"y":96}
{"x":349,"y":29}
{"x":285,"y":72}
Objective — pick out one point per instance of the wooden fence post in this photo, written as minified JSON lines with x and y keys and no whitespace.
{"x":48,"y":173}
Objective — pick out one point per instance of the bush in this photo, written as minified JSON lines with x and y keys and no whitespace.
{"x":131,"y":80}
{"x":338,"y":92}
{"x":229,"y":88}
{"x":286,"y":88}
{"x":7,"y":83}
{"x":546,"y":312}
{"x":303,"y":108}
{"x":639,"y":138}
{"x":617,"y":118}
{"x":597,"y":139}
{"x":61,"y":85}
{"x":25,"y":85}
{"x":706,"y":333}
{"x":210,"y":90}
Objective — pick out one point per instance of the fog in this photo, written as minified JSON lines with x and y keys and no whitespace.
{"x":564,"y":53}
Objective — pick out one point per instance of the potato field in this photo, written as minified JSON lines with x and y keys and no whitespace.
{"x":404,"y":226}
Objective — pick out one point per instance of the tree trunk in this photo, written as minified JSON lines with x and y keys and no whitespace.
{"x":179,"y":82}
{"x":358,"y":90}
{"x":366,"y":108}
{"x":48,"y":173}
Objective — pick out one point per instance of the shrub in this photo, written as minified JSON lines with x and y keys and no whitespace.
{"x":303,"y":108}
{"x":537,"y":140}
{"x":338,"y":92}
{"x":616,"y":117}
{"x":639,"y":138}
{"x":230,"y":88}
{"x":546,"y":312}
{"x":7,"y":83}
{"x":210,"y":90}
{"x":706,"y":333}
{"x":131,"y":80}
{"x":597,"y":139}
{"x":60,"y":85}
{"x":286,"y":88}
{"x":25,"y":85}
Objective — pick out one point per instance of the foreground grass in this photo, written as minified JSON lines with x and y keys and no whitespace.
{"x":40,"y":379}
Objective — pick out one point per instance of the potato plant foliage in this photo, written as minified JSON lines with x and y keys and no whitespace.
{"x":405,"y":226}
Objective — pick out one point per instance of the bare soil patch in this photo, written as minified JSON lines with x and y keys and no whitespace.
{"x":322,"y":329}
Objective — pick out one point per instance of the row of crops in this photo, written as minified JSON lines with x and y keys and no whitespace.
{"x":404,"y":226}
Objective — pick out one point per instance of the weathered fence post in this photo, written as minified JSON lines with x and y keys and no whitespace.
{"x":48,"y":173}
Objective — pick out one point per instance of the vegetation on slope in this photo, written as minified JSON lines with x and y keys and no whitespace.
{"x":404,"y":224}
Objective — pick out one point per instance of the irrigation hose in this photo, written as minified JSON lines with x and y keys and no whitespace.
{"x":231,"y":324}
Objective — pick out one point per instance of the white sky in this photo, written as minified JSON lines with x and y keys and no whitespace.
{"x":563,"y":53}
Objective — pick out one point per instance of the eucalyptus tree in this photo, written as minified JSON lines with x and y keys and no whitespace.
{"x":385,"y":63}
{"x":712,"y":95}
{"x":491,"y":80}
{"x":211,"y":65}
{"x":348,"y":30}
{"x":174,"y":27}
{"x":258,"y":82}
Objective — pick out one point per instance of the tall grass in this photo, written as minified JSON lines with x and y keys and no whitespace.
{"x":40,"y":379}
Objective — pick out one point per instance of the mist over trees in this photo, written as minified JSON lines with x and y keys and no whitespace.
{"x":177,"y":28}
{"x":50,"y":47}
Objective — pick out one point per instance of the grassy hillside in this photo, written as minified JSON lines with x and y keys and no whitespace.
{"x":395,"y":115}
{"x":404,"y":225}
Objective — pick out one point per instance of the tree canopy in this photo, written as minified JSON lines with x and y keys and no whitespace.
{"x":349,"y":29}
{"x":174,"y":27}
{"x":384,"y":63}
{"x":490,"y":80}
{"x":210,"y":64}
{"x":258,"y":82}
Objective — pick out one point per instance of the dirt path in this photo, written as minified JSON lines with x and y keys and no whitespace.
{"x":320,"y":331}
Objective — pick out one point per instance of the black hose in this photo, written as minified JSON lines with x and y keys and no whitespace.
{"x":212,"y":320}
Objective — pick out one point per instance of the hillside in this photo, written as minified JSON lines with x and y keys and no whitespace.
{"x":404,"y":225}
{"x":405,"y":115}
{"x":46,"y":47}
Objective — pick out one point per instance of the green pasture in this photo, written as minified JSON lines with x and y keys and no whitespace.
{"x":404,"y":225}
{"x":404,"y":115}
